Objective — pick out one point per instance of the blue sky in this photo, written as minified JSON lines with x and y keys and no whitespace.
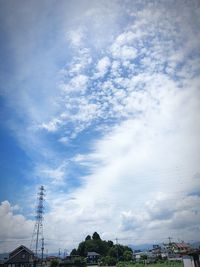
{"x":100,"y":103}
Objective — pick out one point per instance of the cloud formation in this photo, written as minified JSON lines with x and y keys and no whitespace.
{"x":120,"y":133}
{"x":14,"y":227}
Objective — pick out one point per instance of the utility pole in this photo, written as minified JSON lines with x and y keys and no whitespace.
{"x":65,"y":253}
{"x":37,"y":237}
{"x":42,"y":249}
{"x":117,"y":249}
{"x":170,"y":238}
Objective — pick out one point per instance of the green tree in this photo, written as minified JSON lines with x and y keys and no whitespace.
{"x":127,"y":255}
{"x":108,"y":260}
{"x":81,"y":249}
{"x":113,"y":252}
{"x":110,"y":243}
{"x":74,"y":252}
{"x":96,"y":236}
{"x":143,"y":257}
{"x":88,"y":237}
{"x":54,"y":263}
{"x":104,"y":248}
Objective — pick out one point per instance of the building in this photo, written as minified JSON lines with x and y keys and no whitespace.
{"x":93,"y":258}
{"x":156,"y":251}
{"x":192,"y":259}
{"x":20,"y":257}
{"x":178,"y":248}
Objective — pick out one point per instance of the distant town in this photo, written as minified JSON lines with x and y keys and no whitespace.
{"x":94,"y":251}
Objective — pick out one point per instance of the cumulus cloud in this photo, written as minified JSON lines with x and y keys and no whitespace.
{"x":13,"y":227}
{"x":102,"y":66}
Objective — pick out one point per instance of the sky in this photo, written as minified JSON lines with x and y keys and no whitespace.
{"x":100,"y":103}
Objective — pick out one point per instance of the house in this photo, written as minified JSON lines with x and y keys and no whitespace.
{"x":20,"y":257}
{"x":156,"y":251}
{"x":178,"y":248}
{"x":174,"y":251}
{"x":139,"y":256}
{"x":192,"y":259}
{"x":93,"y":258}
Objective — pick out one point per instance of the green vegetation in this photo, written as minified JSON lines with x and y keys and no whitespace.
{"x":115,"y":254}
{"x":165,"y":264}
{"x":54,"y":263}
{"x":110,"y":253}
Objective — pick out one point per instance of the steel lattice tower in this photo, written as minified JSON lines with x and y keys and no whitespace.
{"x":37,"y":241}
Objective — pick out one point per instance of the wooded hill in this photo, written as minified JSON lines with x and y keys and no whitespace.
{"x":110,"y":252}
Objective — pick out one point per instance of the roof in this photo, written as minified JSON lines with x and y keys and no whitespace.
{"x":181,"y":245}
{"x":21,"y":248}
{"x":92,"y":253}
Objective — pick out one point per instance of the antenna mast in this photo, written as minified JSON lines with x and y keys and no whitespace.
{"x":37,"y":237}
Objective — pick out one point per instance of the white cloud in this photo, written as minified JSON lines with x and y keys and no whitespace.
{"x":142,"y":173}
{"x":76,"y":37}
{"x":51,"y":126}
{"x":123,"y":52}
{"x":13,"y":227}
{"x":77,"y":83}
{"x":141,"y":168}
{"x":103,"y":66}
{"x":55,"y":176}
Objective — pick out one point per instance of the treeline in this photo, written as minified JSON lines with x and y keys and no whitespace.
{"x":110,"y":253}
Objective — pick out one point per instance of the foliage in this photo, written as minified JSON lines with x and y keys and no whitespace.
{"x":76,"y":261}
{"x":166,"y":264}
{"x":108,"y":261}
{"x":96,"y":236}
{"x":143,"y":257}
{"x":80,"y":262}
{"x":109,"y":252}
{"x":88,"y":237}
{"x":73,"y":252}
{"x":54,"y":263}
{"x":127,"y":255}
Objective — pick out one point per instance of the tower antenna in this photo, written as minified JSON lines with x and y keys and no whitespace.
{"x":37,"y":241}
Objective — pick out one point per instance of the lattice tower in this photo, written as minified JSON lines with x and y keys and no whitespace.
{"x":37,"y":242}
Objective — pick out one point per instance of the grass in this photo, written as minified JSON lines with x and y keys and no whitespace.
{"x":165,"y":264}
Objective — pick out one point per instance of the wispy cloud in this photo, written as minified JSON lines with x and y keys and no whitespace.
{"x":120,"y":119}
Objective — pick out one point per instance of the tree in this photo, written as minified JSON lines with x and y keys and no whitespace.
{"x":110,"y":243}
{"x":54,"y":263}
{"x":81,"y":249}
{"x":96,"y":236}
{"x":143,"y":257}
{"x":104,"y":248}
{"x":88,"y":237}
{"x":127,"y":255}
{"x":110,"y":261}
{"x":74,"y":252}
{"x":113,"y":252}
